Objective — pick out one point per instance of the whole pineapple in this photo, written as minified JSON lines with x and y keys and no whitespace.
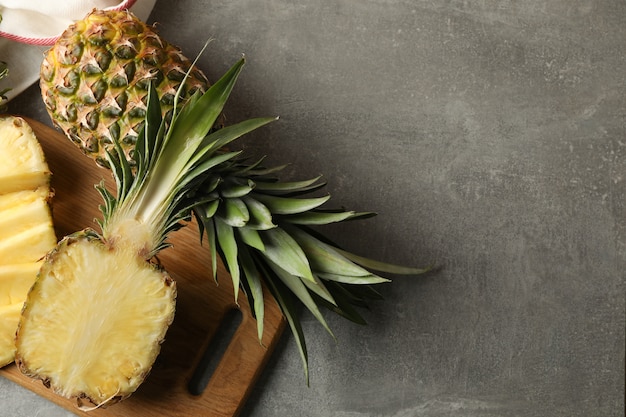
{"x":26,"y":230}
{"x":95,"y":79}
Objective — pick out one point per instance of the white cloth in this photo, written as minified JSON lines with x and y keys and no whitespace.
{"x":29,"y":27}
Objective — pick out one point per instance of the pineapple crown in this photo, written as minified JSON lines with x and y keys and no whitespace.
{"x":262,"y":228}
{"x":171,"y":160}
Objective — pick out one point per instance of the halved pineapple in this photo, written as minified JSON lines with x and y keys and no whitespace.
{"x":100,"y":350}
{"x":26,"y":230}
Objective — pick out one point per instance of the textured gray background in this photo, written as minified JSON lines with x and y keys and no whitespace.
{"x":490,"y":136}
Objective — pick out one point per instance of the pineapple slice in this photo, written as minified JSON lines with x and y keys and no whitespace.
{"x":9,"y":317}
{"x":25,"y":227}
{"x":26,"y":231}
{"x":22,"y":162}
{"x":16,"y":280}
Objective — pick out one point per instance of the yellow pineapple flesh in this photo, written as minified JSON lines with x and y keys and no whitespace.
{"x":22,"y":162}
{"x":107,"y":345}
{"x":26,"y":230}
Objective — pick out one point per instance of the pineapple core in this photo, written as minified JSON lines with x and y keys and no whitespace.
{"x":26,"y":231}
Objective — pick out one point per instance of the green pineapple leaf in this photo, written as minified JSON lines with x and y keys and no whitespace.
{"x":281,"y":249}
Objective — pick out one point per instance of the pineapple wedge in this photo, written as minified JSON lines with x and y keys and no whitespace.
{"x":26,"y":230}
{"x":22,"y":162}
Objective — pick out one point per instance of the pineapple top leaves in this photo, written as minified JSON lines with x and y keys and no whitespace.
{"x":261,"y":227}
{"x":263,"y":230}
{"x":171,"y":160}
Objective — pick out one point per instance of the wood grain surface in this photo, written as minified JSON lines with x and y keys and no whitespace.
{"x":201,"y":305}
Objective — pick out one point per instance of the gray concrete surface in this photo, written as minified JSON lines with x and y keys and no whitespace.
{"x":490,"y":136}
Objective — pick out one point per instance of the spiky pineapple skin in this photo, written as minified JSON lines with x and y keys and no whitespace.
{"x":94,"y":80}
{"x":94,"y":320}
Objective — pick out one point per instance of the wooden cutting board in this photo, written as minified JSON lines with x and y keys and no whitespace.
{"x":201,"y":306}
